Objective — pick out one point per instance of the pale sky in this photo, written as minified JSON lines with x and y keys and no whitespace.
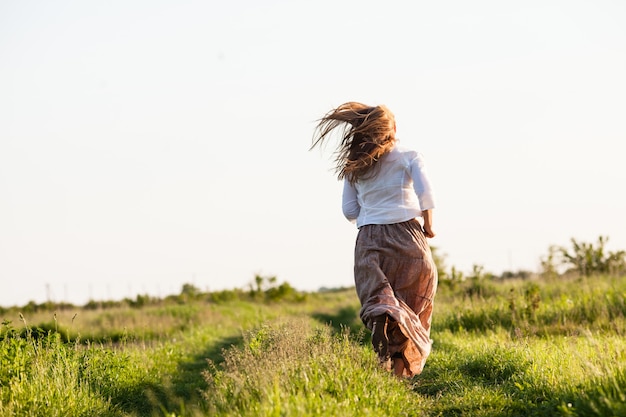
{"x":147,"y":144}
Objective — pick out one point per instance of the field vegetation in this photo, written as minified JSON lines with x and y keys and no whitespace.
{"x":519,"y":344}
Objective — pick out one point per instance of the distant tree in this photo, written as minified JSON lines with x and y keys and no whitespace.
{"x":189,"y":290}
{"x":268,"y":289}
{"x":588,"y":259}
{"x":617,"y":263}
{"x":479,"y":283}
{"x":283,"y":291}
{"x":456,"y":275}
{"x":259,"y":280}
{"x":261,"y":285}
{"x":479,"y":274}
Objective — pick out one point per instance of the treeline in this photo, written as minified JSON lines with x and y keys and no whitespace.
{"x":261,"y":289}
{"x":581,"y":259}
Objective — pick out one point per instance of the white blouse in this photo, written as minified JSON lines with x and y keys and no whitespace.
{"x":398,"y":192}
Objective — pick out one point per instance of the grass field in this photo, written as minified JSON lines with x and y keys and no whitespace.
{"x":501,"y":348}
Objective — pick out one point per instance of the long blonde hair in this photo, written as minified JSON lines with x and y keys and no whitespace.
{"x":368,"y":133}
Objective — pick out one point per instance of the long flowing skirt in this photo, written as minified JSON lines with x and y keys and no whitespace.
{"x":395,"y":275}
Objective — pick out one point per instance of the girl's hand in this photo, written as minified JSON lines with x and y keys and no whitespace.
{"x":428,"y":221}
{"x":428,"y":231}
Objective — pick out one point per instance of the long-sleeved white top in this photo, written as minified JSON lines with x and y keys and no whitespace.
{"x":399,"y":191}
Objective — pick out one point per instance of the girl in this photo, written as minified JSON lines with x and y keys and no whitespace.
{"x":385,"y":191}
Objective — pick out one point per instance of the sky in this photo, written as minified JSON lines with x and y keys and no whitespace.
{"x":149,"y":144}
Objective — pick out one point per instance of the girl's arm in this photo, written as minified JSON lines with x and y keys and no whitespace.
{"x":421,"y":184}
{"x":428,"y":223}
{"x":424,"y":192}
{"x":350,"y":203}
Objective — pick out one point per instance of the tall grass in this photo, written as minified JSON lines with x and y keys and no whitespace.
{"x":535,"y":307}
{"x":512,"y":348}
{"x":294,"y":368}
{"x":35,"y":375}
{"x":149,"y":363}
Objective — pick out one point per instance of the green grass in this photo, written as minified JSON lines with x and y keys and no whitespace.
{"x":301,"y":368}
{"x":513,"y":348}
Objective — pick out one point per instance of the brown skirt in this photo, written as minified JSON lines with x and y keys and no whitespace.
{"x":395,"y":275}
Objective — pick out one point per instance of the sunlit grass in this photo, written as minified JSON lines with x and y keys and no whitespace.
{"x":513,"y":348}
{"x":519,"y":376}
{"x":535,"y":307}
{"x":299,"y":368}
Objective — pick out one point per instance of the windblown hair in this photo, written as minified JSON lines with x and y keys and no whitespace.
{"x":368,"y":133}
